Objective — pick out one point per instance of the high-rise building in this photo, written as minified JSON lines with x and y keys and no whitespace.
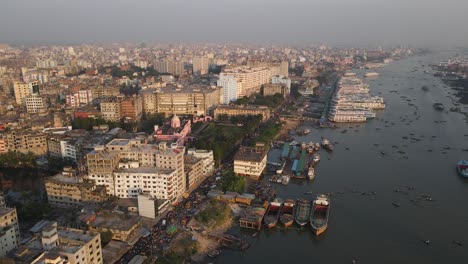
{"x":22,"y":90}
{"x":230,"y":87}
{"x":169,"y":66}
{"x":200,"y":65}
{"x":249,"y":80}
{"x":116,"y":108}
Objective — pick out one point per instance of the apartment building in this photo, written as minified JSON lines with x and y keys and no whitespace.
{"x":68,"y":189}
{"x":22,"y":90}
{"x":248,"y":80}
{"x":277,"y":68}
{"x":169,"y":66}
{"x":238,"y":110}
{"x":207,"y":158}
{"x":194,"y":171}
{"x":110,"y":110}
{"x":125,"y":160}
{"x":25,"y":142}
{"x":10,"y":233}
{"x":200,"y":65}
{"x":35,"y":103}
{"x":116,"y":108}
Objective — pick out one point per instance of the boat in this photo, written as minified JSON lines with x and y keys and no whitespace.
{"x":287,"y":213}
{"x":310,"y":147}
{"x":326,"y":144}
{"x":320,"y":214}
{"x":425,"y":88}
{"x":293,"y":143}
{"x":316,"y":158}
{"x":301,"y":132}
{"x":438,"y":106}
{"x":280,"y":170}
{"x":302,"y":212}
{"x":462,"y":168}
{"x":285,"y":179}
{"x":311,"y":173}
{"x":213,"y":253}
{"x":316,"y":146}
{"x":272,"y":214}
{"x":371,"y":74}
{"x":303,"y":145}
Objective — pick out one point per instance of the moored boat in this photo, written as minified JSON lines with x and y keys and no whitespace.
{"x":287,"y":213}
{"x":272,"y":215}
{"x":320,"y":214}
{"x":311,"y":173}
{"x":316,"y":146}
{"x":316,"y":158}
{"x":462,"y":168}
{"x":302,"y":212}
{"x":326,"y":144}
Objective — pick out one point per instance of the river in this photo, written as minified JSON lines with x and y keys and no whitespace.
{"x":421,"y":148}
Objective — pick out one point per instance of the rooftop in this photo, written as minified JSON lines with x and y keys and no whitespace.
{"x":249,"y":154}
{"x":115,"y":222}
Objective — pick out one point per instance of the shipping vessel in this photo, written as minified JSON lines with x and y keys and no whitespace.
{"x":326,"y":145}
{"x":302,"y":212}
{"x":272,"y":214}
{"x":320,"y":214}
{"x":311,"y":173}
{"x":287,"y":213}
{"x":371,"y":74}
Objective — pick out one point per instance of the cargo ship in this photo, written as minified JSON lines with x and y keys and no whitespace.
{"x":302,"y":212}
{"x":272,"y":214}
{"x":320,"y":214}
{"x":287,"y":213}
{"x":371,"y":74}
{"x":462,"y":168}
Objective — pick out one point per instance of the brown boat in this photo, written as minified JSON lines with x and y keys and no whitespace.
{"x":287,"y":213}
{"x":272,"y":215}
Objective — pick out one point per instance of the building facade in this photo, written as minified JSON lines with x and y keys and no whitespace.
{"x":34,"y":103}
{"x":22,"y":90}
{"x":235,"y":110}
{"x":10,"y":232}
{"x":250,"y":162}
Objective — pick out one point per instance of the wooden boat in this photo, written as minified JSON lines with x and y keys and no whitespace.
{"x":272,"y":215}
{"x":302,"y":212}
{"x":320,"y":214}
{"x":287,"y":213}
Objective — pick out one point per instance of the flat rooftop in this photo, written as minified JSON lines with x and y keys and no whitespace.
{"x":115,"y":222}
{"x":146,"y":170}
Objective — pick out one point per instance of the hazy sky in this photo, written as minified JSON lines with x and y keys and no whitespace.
{"x":348,"y":22}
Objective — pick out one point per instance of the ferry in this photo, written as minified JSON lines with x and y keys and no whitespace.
{"x":320,"y":214}
{"x":462,"y":168}
{"x":311,"y":173}
{"x":272,"y":214}
{"x":302,"y":212}
{"x":287,"y":213}
{"x":316,"y":146}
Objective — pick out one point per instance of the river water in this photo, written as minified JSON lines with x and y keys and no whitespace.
{"x":421,"y":148}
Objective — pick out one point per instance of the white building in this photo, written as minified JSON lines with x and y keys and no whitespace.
{"x":281,"y":79}
{"x":230,"y":86}
{"x":159,"y":183}
{"x":22,"y":90}
{"x":250,"y":162}
{"x":10,"y":233}
{"x":147,"y":206}
{"x":207,"y":159}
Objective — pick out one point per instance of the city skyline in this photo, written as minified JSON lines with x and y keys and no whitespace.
{"x":336,"y":22}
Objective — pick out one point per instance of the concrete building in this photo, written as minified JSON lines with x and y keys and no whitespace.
{"x":200,"y":65}
{"x":277,"y":88}
{"x":125,"y":231}
{"x":281,"y":79}
{"x":169,"y":66}
{"x":230,"y":87}
{"x":25,"y":142}
{"x":131,"y":108}
{"x":194,"y":172}
{"x":67,"y":189}
{"x":110,"y":110}
{"x":277,"y":68}
{"x":207,"y":158}
{"x":150,"y":207}
{"x":22,"y":90}
{"x":64,"y":147}
{"x":10,"y":233}
{"x":35,"y":103}
{"x":236,"y":110}
{"x":138,"y":162}
{"x":249,"y":80}
{"x":194,"y":100}
{"x":250,"y":162}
